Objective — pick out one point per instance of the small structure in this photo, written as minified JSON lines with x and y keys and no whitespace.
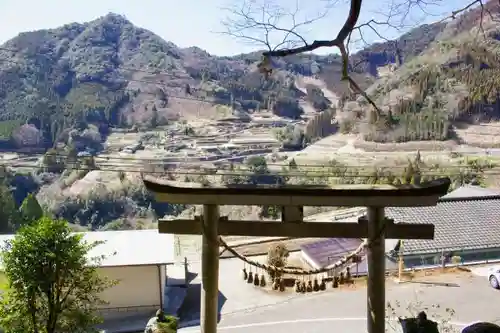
{"x":84,"y":154}
{"x":328,"y":251}
{"x":138,"y":259}
{"x":131,"y":149}
{"x":375,"y":227}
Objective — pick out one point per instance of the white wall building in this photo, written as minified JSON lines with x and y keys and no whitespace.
{"x":138,"y":260}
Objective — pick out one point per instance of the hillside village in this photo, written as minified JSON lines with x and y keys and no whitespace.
{"x":188,"y":115}
{"x":89,"y":109}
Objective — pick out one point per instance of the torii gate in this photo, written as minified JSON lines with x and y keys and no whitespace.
{"x":376,"y":228}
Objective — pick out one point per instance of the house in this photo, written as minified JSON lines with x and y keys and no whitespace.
{"x":131,"y":149}
{"x":83,"y":154}
{"x":138,"y":260}
{"x":465,"y":223}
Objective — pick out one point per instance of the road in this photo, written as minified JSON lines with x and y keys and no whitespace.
{"x":345,"y":311}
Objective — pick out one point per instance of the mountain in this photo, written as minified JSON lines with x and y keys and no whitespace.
{"x":454,"y":82}
{"x":75,"y":82}
{"x":109,"y":72}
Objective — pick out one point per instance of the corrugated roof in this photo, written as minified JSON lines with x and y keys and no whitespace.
{"x":459,"y":224}
{"x":329,"y":251}
{"x":131,"y":247}
{"x":471,"y":191}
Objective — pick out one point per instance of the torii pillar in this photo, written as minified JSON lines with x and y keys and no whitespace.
{"x":375,"y":227}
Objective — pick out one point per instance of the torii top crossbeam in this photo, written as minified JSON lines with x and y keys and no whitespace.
{"x":426,"y":194}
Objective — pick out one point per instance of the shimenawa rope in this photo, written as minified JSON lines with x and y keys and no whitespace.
{"x":339,"y":264}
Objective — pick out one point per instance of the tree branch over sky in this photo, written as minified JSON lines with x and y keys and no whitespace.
{"x":282,"y":31}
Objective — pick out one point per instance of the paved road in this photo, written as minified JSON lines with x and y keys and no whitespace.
{"x":345,"y":311}
{"x":485,"y":270}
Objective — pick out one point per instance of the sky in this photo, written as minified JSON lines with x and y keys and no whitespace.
{"x":198,"y":22}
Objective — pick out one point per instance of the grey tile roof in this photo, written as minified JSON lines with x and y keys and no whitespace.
{"x":471,"y":191}
{"x":471,"y":223}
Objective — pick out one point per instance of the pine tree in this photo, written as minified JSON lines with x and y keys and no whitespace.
{"x":9,"y":216}
{"x":154,"y":117}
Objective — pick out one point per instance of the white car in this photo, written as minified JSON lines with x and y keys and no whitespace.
{"x":494,"y":277}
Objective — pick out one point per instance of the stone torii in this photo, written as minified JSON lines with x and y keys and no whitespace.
{"x":374,"y":227}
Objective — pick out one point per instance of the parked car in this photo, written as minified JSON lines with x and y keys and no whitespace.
{"x":494,"y":277}
{"x":482,"y":327}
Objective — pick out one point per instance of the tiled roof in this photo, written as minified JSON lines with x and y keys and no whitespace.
{"x":471,"y":223}
{"x":471,"y":191}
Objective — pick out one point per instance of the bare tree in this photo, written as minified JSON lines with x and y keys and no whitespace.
{"x":282,"y":33}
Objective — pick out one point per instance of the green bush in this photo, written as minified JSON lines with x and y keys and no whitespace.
{"x":170,"y":326}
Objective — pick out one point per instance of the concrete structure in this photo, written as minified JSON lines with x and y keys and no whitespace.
{"x":137,"y":260}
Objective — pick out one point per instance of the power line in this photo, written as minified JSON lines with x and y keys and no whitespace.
{"x":346,"y":174}
{"x":162,"y":160}
{"x":109,"y":160}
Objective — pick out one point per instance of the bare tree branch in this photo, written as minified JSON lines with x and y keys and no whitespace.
{"x":261,"y":24}
{"x":401,"y":11}
{"x":349,"y":24}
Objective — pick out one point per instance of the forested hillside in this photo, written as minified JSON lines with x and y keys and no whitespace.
{"x":88,"y":77}
{"x":454,"y":81}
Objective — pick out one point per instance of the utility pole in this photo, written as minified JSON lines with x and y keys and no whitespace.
{"x":186,"y":272}
{"x":401,"y":265}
